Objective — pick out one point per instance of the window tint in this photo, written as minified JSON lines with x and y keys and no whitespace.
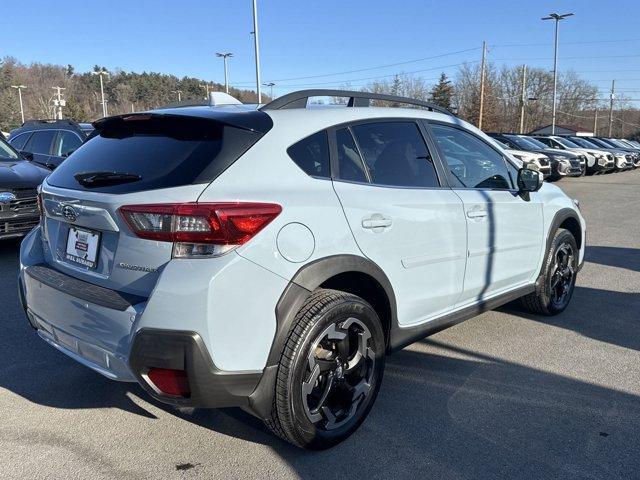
{"x":472,"y":163}
{"x":66,"y":142}
{"x":6,"y":152}
{"x":40,"y":142}
{"x":19,"y":141}
{"x":164,"y":151}
{"x":312,"y":155}
{"x":350,"y":165}
{"x":395,"y":154}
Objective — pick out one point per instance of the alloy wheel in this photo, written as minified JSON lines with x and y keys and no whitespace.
{"x":339,"y":375}
{"x":563,"y":274}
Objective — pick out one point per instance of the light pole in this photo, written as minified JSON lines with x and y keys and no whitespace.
{"x":557,"y":18}
{"x":20,"y":88}
{"x":179,"y":92}
{"x":104,"y":103}
{"x":270,"y":85}
{"x":256,"y":47}
{"x":224,"y":56}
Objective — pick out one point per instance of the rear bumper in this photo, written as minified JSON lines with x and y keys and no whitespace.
{"x":213,"y":333}
{"x":180,"y":350}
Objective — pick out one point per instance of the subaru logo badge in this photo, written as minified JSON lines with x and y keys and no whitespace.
{"x":6,"y":197}
{"x":69,"y":213}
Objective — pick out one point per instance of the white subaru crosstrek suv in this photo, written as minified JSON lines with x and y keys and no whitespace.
{"x":270,"y":257}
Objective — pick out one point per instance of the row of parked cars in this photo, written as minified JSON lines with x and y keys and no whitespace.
{"x":571,"y":156}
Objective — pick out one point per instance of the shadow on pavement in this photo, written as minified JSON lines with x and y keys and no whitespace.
{"x":620,"y":257}
{"x":604,"y":315}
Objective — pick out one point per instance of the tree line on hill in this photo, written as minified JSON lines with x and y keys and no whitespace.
{"x":578,"y":99}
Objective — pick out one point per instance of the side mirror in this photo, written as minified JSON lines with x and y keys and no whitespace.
{"x":26,"y":155}
{"x":529,"y":180}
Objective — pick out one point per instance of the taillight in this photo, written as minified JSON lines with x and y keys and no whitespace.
{"x":200,"y":229}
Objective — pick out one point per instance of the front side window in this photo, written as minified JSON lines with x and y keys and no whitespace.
{"x":471,"y":162}
{"x":40,"y":142}
{"x":395,"y":154}
{"x":66,"y":142}
{"x":311,"y":154}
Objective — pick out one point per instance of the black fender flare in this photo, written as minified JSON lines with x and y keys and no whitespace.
{"x":303,"y":283}
{"x":558,"y":219}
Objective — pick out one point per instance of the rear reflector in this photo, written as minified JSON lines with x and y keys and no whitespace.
{"x":170,"y":382}
{"x":196,"y":225}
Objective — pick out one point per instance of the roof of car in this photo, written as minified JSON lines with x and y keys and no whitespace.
{"x":46,"y":124}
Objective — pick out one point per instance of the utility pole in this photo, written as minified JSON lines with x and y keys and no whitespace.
{"x":523,"y":90}
{"x":270,"y":85}
{"x":104,"y":103}
{"x":613,"y":96}
{"x":59,"y":102}
{"x":224,"y":56}
{"x":595,"y":123}
{"x":557,"y":18}
{"x":206,"y":87}
{"x":482,"y":68}
{"x":257,"y":49}
{"x":179,"y":92}
{"x":20,"y":88}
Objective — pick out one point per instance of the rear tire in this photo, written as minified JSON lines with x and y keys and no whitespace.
{"x":329,"y":372}
{"x":555,"y":289}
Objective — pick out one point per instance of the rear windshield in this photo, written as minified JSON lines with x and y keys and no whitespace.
{"x":156,"y":151}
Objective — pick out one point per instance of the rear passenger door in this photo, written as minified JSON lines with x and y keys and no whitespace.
{"x":40,"y":145}
{"x":505,"y":229}
{"x":400,"y":216}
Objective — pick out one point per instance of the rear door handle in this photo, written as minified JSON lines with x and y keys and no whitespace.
{"x":476,"y":213}
{"x":376,"y":221}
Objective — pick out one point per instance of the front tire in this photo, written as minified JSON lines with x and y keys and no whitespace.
{"x":330,"y":371}
{"x":555,"y":289}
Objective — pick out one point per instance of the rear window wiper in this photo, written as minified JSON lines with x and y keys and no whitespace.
{"x":102,"y":179}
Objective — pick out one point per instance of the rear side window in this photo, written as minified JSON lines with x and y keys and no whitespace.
{"x":395,"y":154}
{"x":312,"y":155}
{"x":160,"y":151}
{"x":40,"y":142}
{"x":66,"y":142}
{"x":350,"y":164}
{"x":19,"y":142}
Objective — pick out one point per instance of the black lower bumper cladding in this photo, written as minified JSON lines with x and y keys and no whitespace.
{"x":180,"y":350}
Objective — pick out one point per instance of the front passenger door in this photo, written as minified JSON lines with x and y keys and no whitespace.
{"x":504,"y":229}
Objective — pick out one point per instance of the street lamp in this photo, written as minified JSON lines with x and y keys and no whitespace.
{"x":256,"y":47}
{"x":20,"y":88}
{"x":224,"y":56}
{"x":557,"y":17}
{"x":104,"y":103}
{"x":270,"y":85}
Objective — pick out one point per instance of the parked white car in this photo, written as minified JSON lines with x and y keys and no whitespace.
{"x":597,"y":161}
{"x":270,"y":258}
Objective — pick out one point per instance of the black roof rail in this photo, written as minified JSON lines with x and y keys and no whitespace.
{"x":49,"y":121}
{"x":356,"y":99}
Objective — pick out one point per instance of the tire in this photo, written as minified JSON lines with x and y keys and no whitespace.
{"x":331,"y":366}
{"x":554,"y":291}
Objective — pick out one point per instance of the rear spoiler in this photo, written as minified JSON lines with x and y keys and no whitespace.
{"x":252,"y":120}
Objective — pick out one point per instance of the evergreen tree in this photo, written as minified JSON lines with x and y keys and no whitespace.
{"x":442,"y":92}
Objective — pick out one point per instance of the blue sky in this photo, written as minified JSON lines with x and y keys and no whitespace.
{"x":312,"y":38}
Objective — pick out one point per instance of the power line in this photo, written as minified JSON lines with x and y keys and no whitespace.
{"x":592,"y":42}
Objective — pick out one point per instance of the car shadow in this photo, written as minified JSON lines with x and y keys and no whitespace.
{"x":604,"y":315}
{"x":620,"y":257}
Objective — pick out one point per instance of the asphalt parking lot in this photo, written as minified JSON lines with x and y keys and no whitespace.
{"x":504,"y":395}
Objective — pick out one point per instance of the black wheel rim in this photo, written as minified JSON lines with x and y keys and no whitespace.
{"x":339,"y":374}
{"x":562,"y":275}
